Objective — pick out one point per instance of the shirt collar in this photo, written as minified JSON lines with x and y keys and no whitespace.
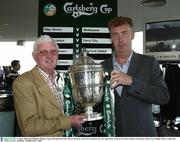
{"x":128,"y":60}
{"x":47,"y":75}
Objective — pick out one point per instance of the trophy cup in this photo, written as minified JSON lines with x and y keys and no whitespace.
{"x":87,"y":84}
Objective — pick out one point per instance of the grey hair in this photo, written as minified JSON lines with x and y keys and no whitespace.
{"x":44,"y":39}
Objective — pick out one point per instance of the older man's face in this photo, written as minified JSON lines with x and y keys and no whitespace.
{"x":46,"y":57}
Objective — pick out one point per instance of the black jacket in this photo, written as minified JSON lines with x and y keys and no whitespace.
{"x":133,"y":110}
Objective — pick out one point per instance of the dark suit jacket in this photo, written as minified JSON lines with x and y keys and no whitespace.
{"x":37,"y":109}
{"x":133,"y":110}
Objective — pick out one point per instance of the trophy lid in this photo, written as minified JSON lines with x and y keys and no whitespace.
{"x":84,"y":61}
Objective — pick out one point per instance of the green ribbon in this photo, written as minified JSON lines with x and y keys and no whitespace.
{"x":108,"y":108}
{"x":68,"y":103}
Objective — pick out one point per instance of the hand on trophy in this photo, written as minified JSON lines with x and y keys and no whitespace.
{"x":77,"y":120}
{"x":120,"y":78}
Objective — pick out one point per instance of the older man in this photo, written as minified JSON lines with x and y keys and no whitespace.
{"x":38,"y":101}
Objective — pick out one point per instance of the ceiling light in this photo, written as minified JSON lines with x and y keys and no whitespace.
{"x":153,"y":3}
{"x":6,"y":24}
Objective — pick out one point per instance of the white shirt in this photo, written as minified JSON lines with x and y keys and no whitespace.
{"x":56,"y":85}
{"x":122,"y":68}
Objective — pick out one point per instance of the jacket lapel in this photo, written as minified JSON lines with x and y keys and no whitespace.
{"x":133,"y":67}
{"x":43,"y":88}
{"x":134,"y":64}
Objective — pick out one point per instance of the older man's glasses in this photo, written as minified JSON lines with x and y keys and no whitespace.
{"x":46,"y":53}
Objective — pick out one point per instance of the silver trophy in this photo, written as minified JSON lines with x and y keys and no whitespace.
{"x":87,"y":84}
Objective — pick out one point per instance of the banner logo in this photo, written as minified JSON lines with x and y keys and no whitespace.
{"x":49,"y":10}
{"x":79,"y":10}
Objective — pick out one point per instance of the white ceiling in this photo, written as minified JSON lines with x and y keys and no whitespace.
{"x":19,"y":18}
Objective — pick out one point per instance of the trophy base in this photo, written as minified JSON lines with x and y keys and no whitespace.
{"x":93,"y":116}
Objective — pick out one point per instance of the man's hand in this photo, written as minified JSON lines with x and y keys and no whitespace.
{"x":77,"y":120}
{"x":120,"y":78}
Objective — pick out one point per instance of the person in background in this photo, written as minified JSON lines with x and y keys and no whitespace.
{"x":13,"y":74}
{"x":137,"y":82}
{"x":38,"y":100}
{"x":1,"y":78}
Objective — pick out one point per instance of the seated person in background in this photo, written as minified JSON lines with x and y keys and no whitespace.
{"x":38,"y":100}
{"x":15,"y":65}
{"x":1,"y":76}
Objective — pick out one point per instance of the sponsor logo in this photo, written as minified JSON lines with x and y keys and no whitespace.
{"x":89,"y":130}
{"x":49,"y":10}
{"x":79,"y":10}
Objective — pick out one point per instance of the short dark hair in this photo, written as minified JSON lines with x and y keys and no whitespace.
{"x":118,"y":21}
{"x":14,"y":62}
